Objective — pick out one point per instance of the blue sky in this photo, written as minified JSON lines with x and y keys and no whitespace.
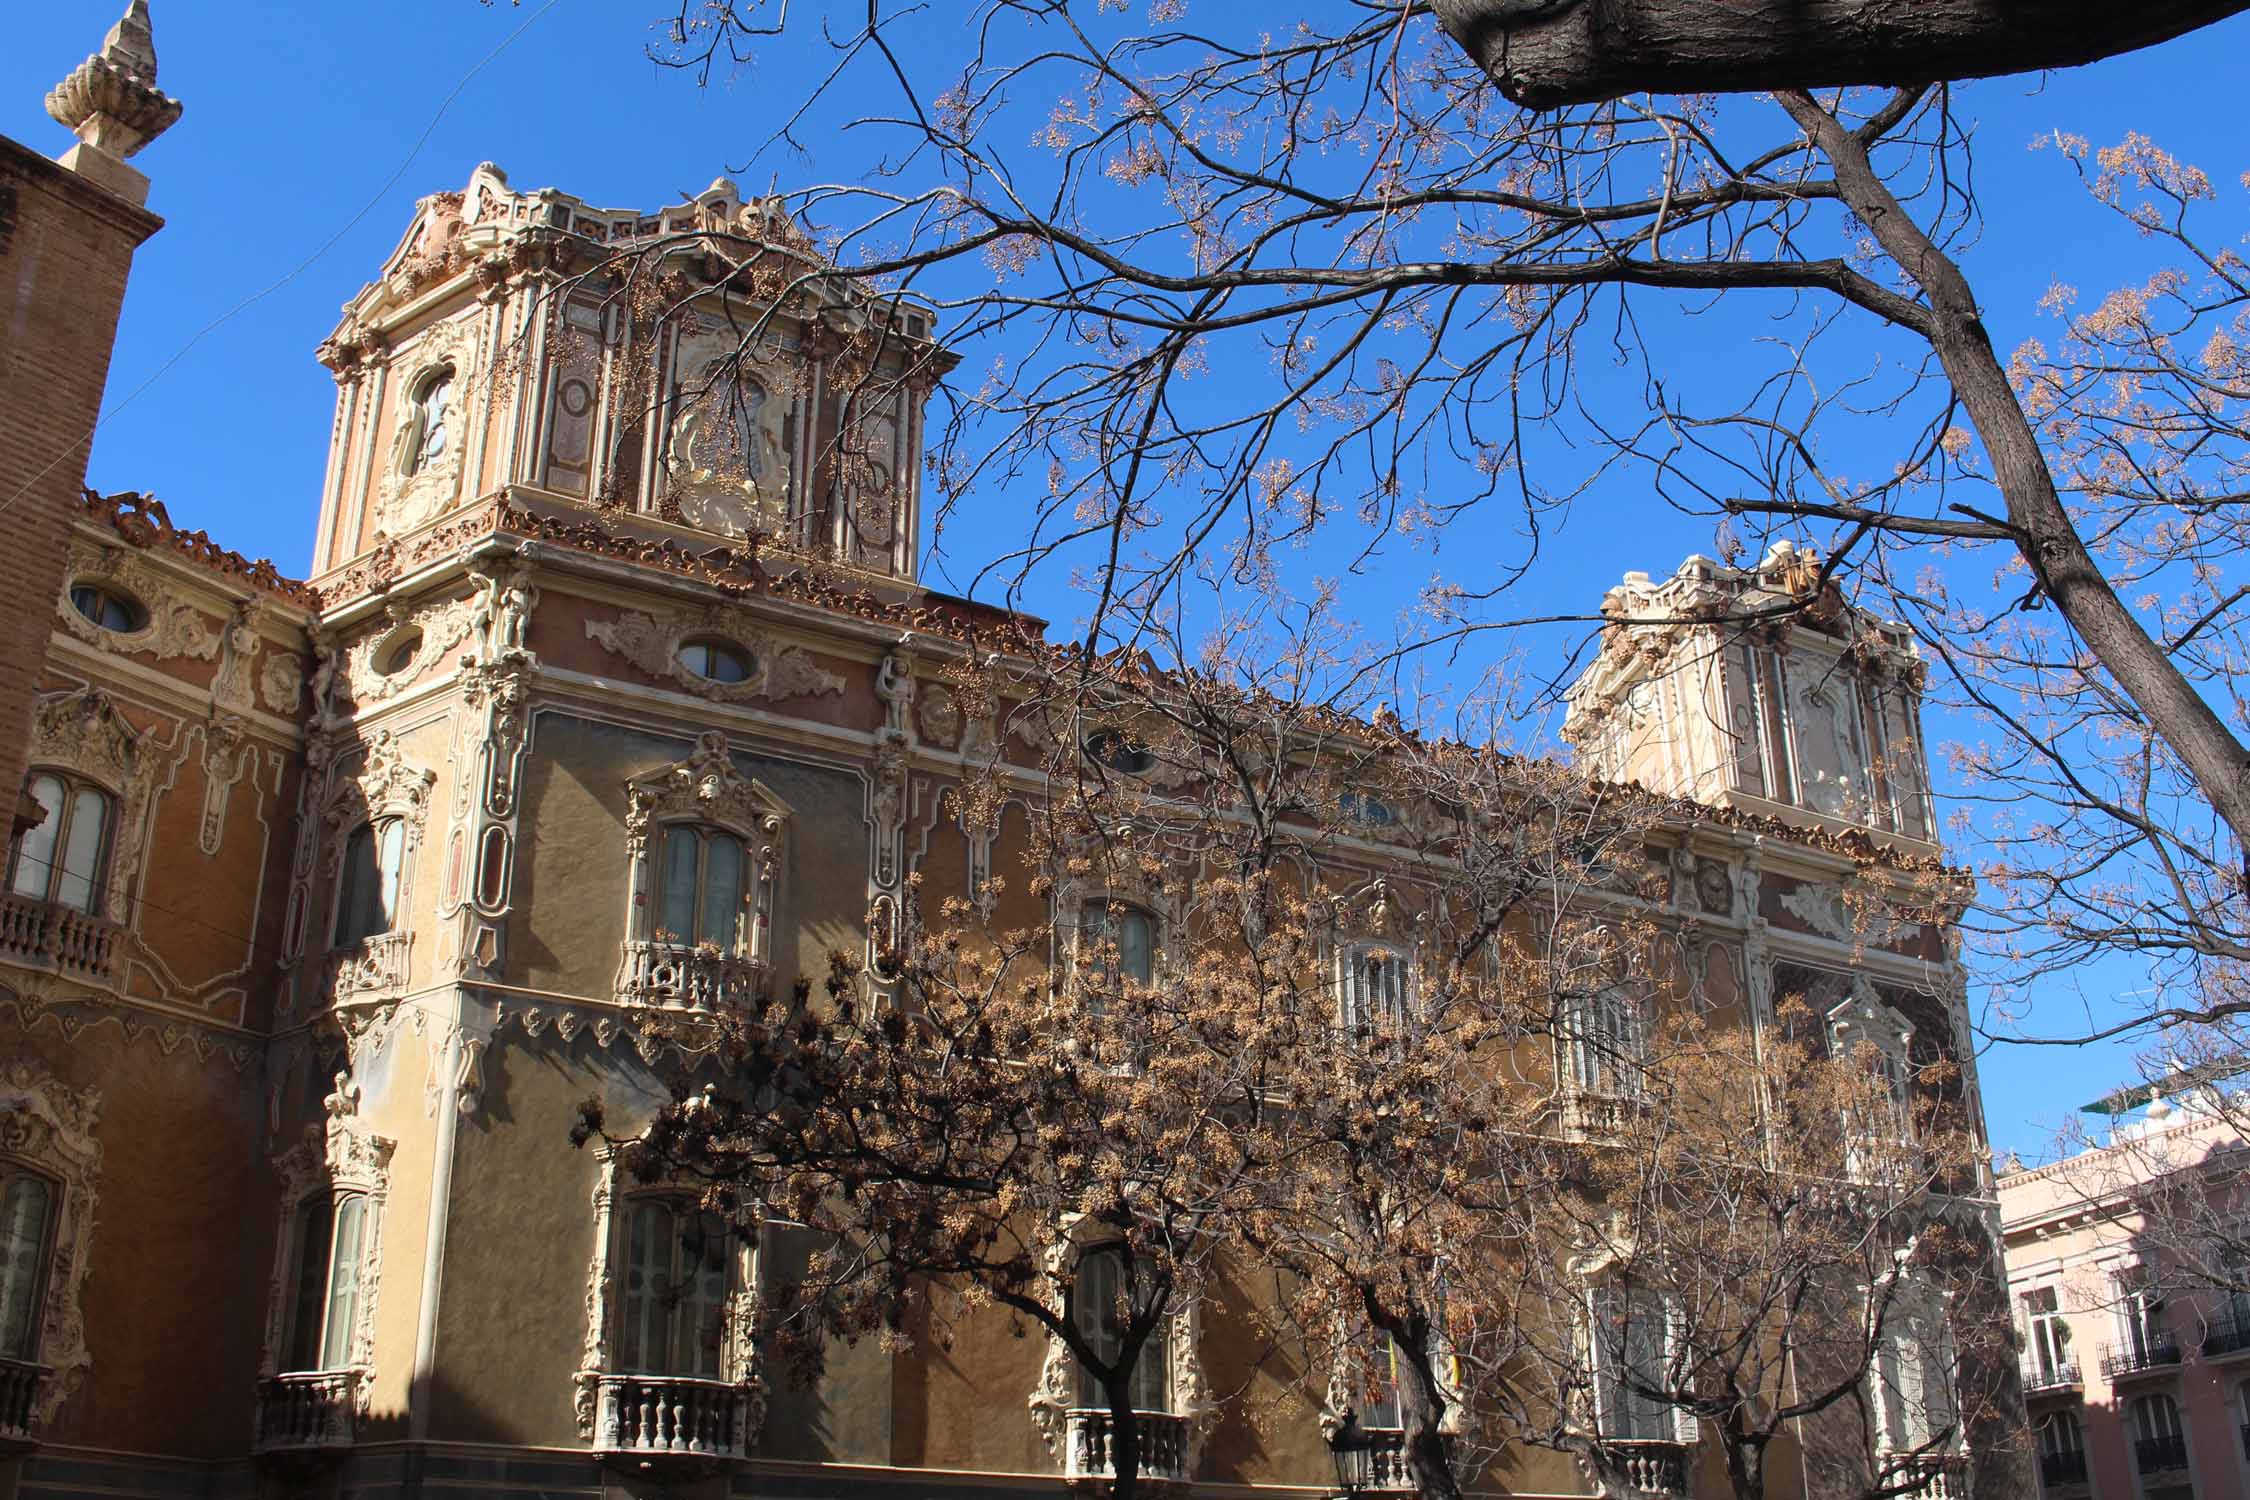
{"x":302,"y":150}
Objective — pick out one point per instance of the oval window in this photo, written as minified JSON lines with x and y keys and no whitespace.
{"x":397,"y":654}
{"x":1361,"y":808}
{"x":715,"y":661}
{"x":108,"y":608}
{"x":1118,"y":752}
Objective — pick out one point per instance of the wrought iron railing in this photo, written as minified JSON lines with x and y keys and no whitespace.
{"x":2041,"y":1378}
{"x":2156,"y":1454}
{"x":2228,"y":1334}
{"x":2068,"y":1467}
{"x":2131,"y":1359}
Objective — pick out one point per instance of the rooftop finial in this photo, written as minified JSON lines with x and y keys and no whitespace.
{"x":111,"y":100}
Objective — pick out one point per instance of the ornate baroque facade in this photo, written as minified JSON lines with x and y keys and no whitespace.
{"x":615,"y":687}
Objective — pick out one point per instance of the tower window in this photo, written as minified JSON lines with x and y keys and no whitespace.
{"x":433,"y":416}
{"x":107,"y":608}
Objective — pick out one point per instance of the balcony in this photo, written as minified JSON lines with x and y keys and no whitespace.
{"x":2156,"y":1356}
{"x":1654,"y":1466}
{"x":2052,"y":1380}
{"x":1163,"y":1447}
{"x":20,"y":1381}
{"x":1601,"y":1116}
{"x":1381,"y":1465}
{"x":663,"y":1417}
{"x":2155,"y":1455}
{"x":2227,"y":1336}
{"x":374,"y":968}
{"x":317,"y":1412}
{"x":2058,"y":1469}
{"x":43,"y":935}
{"x":675,"y":976}
{"x":1935,"y":1476}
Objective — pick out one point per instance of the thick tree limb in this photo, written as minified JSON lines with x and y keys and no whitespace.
{"x":1545,"y":53}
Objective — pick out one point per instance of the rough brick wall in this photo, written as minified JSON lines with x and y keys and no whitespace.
{"x":65,"y":247}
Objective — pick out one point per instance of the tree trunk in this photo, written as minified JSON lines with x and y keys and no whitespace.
{"x":1422,"y":1404}
{"x":2045,"y":534}
{"x":1546,"y":53}
{"x":1124,"y":1436}
{"x":1746,"y":1466}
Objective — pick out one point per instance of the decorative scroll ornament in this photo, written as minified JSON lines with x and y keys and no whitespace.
{"x":50,"y":1126}
{"x":444,"y":626}
{"x":419,"y":485}
{"x":1831,"y":913}
{"x":653,"y":642}
{"x":84,"y":731}
{"x":336,"y":1157}
{"x":386,"y":786}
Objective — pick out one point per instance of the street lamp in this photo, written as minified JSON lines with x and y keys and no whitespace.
{"x":1349,"y":1446}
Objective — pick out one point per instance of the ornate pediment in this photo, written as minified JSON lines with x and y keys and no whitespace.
{"x":652,"y":642}
{"x":387,"y":785}
{"x":707,"y":787}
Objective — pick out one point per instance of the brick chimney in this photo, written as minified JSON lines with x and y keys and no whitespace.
{"x":68,"y":231}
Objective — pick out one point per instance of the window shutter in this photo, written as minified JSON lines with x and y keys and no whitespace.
{"x":1685,"y":1426}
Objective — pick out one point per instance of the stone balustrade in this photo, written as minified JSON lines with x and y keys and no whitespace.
{"x":676,"y":976}
{"x":313,"y":1410}
{"x":1163,"y":1446}
{"x":41,"y":934}
{"x":671,"y":1416}
{"x":20,"y":1381}
{"x":1655,"y":1466}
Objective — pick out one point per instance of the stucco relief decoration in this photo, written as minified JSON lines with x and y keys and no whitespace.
{"x":337,"y":1156}
{"x":84,"y":731}
{"x":740,"y":1360}
{"x":422,"y":472}
{"x":233,"y":685}
{"x":281,"y":683}
{"x":1847,"y":916}
{"x":227,"y":754}
{"x":1057,"y":1393}
{"x":174,"y":628}
{"x":444,"y":627}
{"x":49,"y":1126}
{"x":728,"y":462}
{"x":937,"y":713}
{"x":652,"y":643}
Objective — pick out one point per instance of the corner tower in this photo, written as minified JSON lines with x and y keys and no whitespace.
{"x":1761,"y":689}
{"x":698,"y":376}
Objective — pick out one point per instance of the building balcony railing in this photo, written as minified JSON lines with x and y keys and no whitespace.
{"x":374,"y":968}
{"x":43,"y":935}
{"x":2155,"y":1455}
{"x":1655,"y":1466}
{"x":1163,"y":1446}
{"x":2063,"y":1468}
{"x":1381,"y":1465}
{"x":656,"y":1416}
{"x":20,"y":1381}
{"x":2047,"y":1380}
{"x":678,"y":976}
{"x":309,"y":1412}
{"x":1602,"y":1116}
{"x":2227,"y":1336}
{"x":1930,"y":1476}
{"x":2157,"y":1355}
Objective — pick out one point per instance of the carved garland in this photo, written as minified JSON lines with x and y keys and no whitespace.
{"x":740,"y":1360}
{"x":84,"y":731}
{"x":1056,"y":1394}
{"x":337,"y":1157}
{"x":50,"y":1126}
{"x":174,"y":627}
{"x":653,"y":642}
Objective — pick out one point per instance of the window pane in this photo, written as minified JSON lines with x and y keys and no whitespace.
{"x":343,"y":1282}
{"x":700,"y":1328}
{"x":1382,"y":1410}
{"x":722,"y":893}
{"x":315,"y":1220}
{"x":1096,"y":1314}
{"x":359,"y":895}
{"x":25,"y":1207}
{"x":35,"y":852}
{"x":1136,"y":945}
{"x":675,"y":911}
{"x":82,"y":849}
{"x":642,"y":1346}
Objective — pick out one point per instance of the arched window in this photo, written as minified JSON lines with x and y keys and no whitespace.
{"x":701,"y":878}
{"x":433,"y":412}
{"x":676,"y":1276}
{"x":62,"y":859}
{"x":1376,"y":986}
{"x":1102,"y":1304}
{"x":331,"y":1237}
{"x":2062,"y":1450}
{"x":1632,"y":1349}
{"x":108,"y":608}
{"x":367,"y":897}
{"x":1606,"y":1044}
{"x":27,"y":1223}
{"x":2158,"y":1442}
{"x":1117,"y":944}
